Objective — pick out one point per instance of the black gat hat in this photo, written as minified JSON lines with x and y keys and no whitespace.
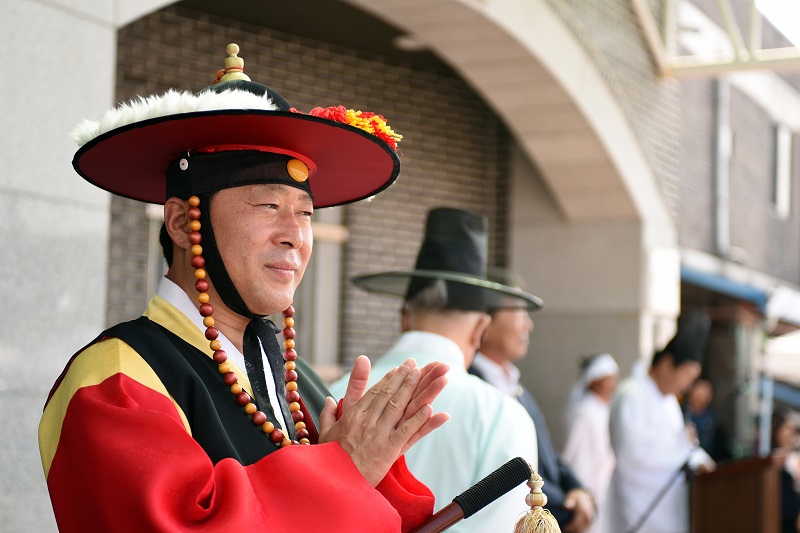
{"x":455,"y":251}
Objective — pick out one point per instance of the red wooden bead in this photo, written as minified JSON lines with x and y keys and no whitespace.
{"x":292,"y":396}
{"x":289,"y":355}
{"x":195,"y":237}
{"x":288,"y":333}
{"x":201,"y":285}
{"x":211,"y":333}
{"x":302,"y":433}
{"x":298,"y":416}
{"x":199,"y":262}
{"x":258,"y":418}
{"x":276,"y":436}
{"x":220,"y":357}
{"x":230,"y":378}
{"x":194,"y":213}
{"x":290,"y":375}
{"x":206,"y":310}
{"x":289,"y":311}
{"x":243,"y":399}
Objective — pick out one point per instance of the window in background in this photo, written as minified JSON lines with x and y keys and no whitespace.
{"x":782,"y":178}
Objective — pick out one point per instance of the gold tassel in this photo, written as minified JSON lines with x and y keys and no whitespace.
{"x":538,"y":519}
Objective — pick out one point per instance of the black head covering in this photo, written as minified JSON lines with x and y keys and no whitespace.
{"x":454,"y":250}
{"x":455,"y":241}
{"x":691,"y":339}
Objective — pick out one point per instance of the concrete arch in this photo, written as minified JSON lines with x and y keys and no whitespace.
{"x":527,"y":65}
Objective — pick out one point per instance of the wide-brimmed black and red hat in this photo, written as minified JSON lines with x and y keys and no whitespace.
{"x":183,"y":143}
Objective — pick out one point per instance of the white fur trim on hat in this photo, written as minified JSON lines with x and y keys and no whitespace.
{"x":172,"y":102}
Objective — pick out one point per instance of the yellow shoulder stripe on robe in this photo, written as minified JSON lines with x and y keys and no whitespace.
{"x":94,"y":365}
{"x":110,"y":357}
{"x":162,"y":312}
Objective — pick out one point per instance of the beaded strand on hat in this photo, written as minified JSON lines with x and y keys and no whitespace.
{"x":221,"y":358}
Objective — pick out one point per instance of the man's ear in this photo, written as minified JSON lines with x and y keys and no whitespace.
{"x":176,"y":220}
{"x":405,"y":322}
{"x":478,"y":329}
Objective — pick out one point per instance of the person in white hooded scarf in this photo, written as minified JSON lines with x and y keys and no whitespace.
{"x":588,"y":449}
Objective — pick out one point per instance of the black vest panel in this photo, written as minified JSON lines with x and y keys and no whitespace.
{"x":218,"y":423}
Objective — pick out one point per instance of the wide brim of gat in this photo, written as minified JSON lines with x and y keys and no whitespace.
{"x":351,"y":164}
{"x":396,"y":283}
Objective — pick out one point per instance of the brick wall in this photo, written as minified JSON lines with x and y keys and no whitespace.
{"x":772,"y":244}
{"x":696,"y":225}
{"x":769,"y":244}
{"x":454,"y":151}
{"x":609,"y":32}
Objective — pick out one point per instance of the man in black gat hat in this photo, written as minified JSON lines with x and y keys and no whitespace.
{"x":192,"y":417}
{"x":650,"y":439}
{"x":506,"y":340}
{"x":444,"y":316}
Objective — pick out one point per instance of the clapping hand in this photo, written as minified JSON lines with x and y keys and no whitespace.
{"x":379,"y":425}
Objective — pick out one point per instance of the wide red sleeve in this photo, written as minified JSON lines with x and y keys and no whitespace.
{"x":412,"y":498}
{"x":125,"y":462}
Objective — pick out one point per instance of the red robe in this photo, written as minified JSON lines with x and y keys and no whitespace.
{"x":119,"y":455}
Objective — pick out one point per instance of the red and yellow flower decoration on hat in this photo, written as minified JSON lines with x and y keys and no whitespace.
{"x":365,"y":120}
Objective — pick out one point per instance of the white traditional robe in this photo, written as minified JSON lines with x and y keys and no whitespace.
{"x":651,"y":443}
{"x":486,"y":429}
{"x":588,"y":450}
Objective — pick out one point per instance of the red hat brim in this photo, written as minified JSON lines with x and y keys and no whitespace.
{"x":351,"y":164}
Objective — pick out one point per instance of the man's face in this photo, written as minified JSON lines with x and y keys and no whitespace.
{"x":263,"y":233}
{"x":683,"y":375}
{"x":700,"y":396}
{"x":508,"y":335}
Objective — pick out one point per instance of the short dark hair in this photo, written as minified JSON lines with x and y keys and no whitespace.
{"x":661,"y":355}
{"x":166,"y":244}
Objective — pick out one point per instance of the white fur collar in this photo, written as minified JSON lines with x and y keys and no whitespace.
{"x":172,"y":102}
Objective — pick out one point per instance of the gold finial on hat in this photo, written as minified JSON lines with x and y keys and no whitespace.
{"x":234,"y":66}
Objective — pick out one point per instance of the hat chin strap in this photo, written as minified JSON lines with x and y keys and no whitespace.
{"x":214,"y":265}
{"x":259,"y":333}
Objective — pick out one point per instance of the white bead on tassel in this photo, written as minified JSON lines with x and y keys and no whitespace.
{"x":538,"y":519}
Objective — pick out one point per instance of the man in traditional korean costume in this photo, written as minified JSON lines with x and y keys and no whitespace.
{"x":192,"y":417}
{"x":447,"y":297}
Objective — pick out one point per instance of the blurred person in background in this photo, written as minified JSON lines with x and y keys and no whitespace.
{"x":649,"y":492}
{"x":588,"y":450}
{"x":505,"y":341}
{"x":783,"y":434}
{"x":700,"y":414}
{"x":444,"y":316}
